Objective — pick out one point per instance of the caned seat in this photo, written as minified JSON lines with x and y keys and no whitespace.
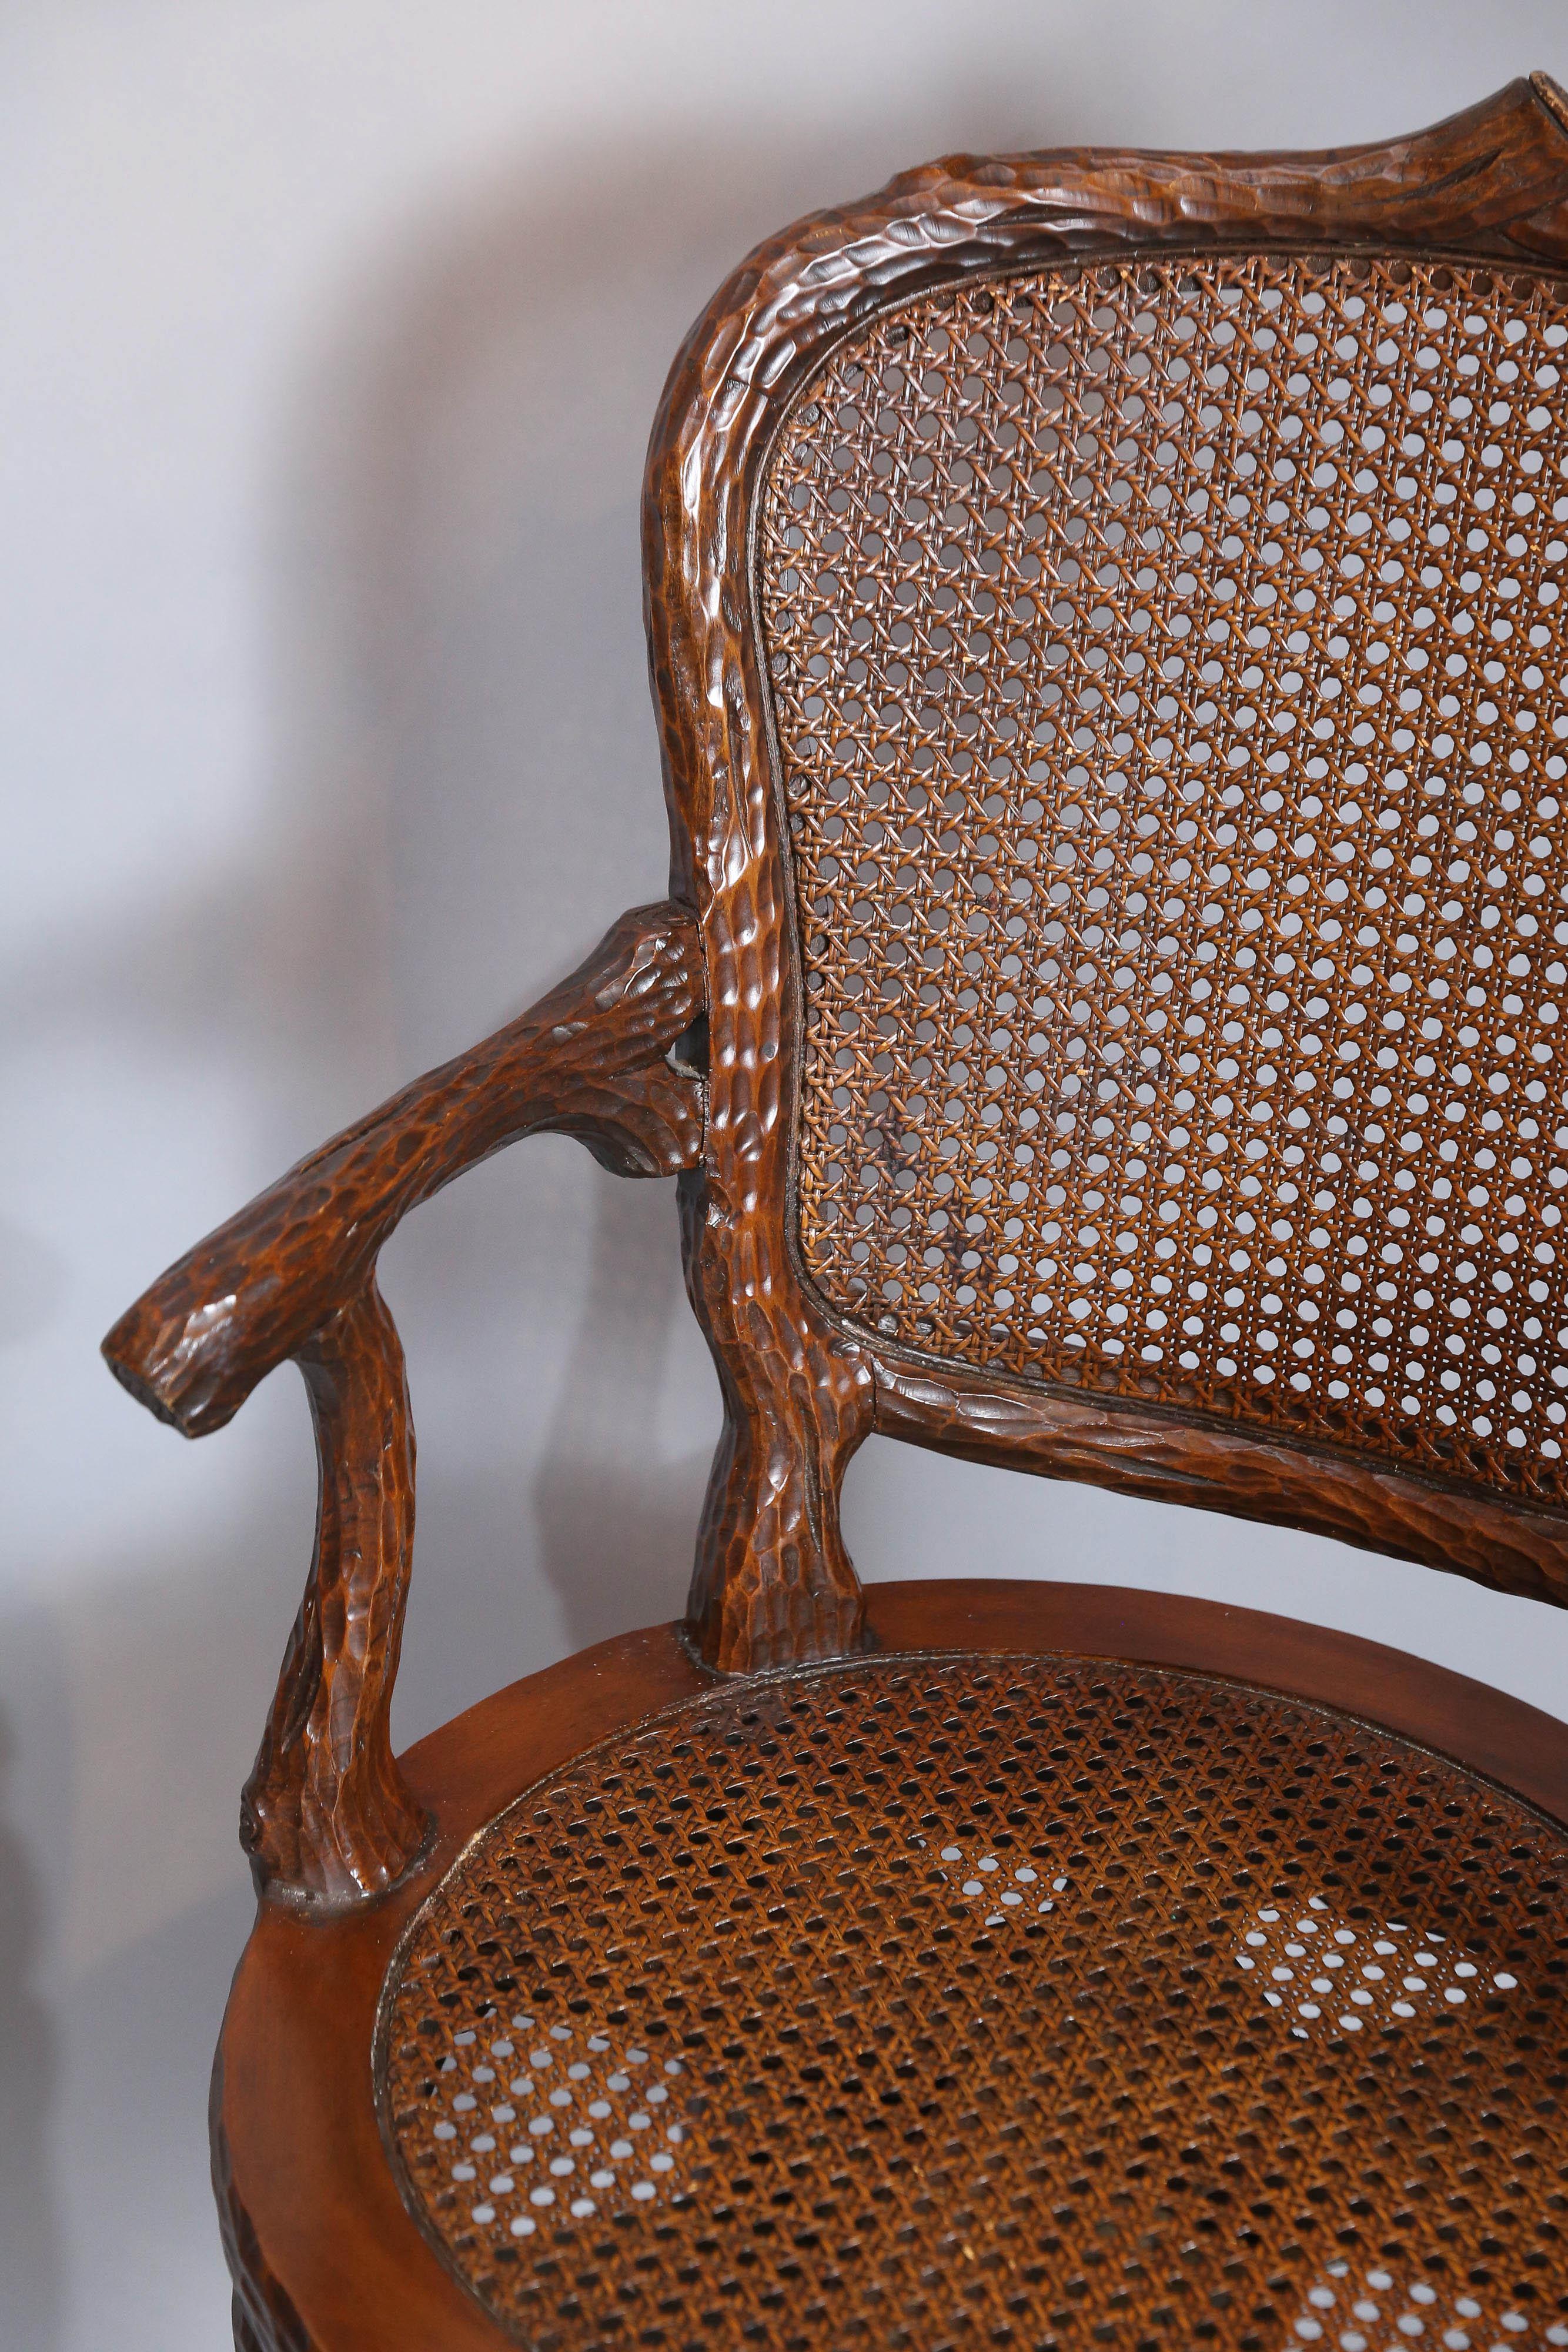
{"x":1105,"y":632}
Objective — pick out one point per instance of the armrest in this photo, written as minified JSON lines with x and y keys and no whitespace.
{"x":587,"y":1060}
{"x":325,"y":1816}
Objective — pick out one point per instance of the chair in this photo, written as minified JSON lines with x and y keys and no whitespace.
{"x":1106,"y":636}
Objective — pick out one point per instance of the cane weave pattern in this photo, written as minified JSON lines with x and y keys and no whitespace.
{"x":1167,"y":664}
{"x":1022,"y":2001}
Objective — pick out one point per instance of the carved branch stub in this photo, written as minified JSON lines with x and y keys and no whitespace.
{"x":325,"y":1817}
{"x":325,"y":1813}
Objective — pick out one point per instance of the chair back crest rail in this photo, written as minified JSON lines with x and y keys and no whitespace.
{"x":1003,"y":534}
{"x":1103,"y":630}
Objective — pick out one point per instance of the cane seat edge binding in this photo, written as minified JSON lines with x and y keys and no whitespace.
{"x":340,"y":1837}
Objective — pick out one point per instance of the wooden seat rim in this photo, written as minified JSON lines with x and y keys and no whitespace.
{"x":298,"y":2145}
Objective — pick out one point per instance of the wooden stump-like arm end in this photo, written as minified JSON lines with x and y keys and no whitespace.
{"x":325,"y":1817}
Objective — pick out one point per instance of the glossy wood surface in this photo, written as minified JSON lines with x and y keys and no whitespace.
{"x":303,"y":2177}
{"x":803,"y":1384}
{"x":325,"y":1811}
{"x":346,"y":1840}
{"x":588,"y":1060}
{"x":325,"y":1817}
{"x":1166,"y":1459}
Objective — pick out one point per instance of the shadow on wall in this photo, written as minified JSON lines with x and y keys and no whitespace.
{"x":477,"y":642}
{"x":29,"y":2233}
{"x":134,"y":1707}
{"x":474,"y":643}
{"x":468,"y":794}
{"x":617,"y":1531}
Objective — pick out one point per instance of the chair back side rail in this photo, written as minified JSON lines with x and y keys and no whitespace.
{"x":809,"y":1361}
{"x":741,"y":688}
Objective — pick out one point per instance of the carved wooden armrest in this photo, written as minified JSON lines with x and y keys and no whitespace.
{"x":326,"y":1815}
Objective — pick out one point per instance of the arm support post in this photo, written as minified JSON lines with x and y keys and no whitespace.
{"x":325,"y":1809}
{"x":326,"y":1815}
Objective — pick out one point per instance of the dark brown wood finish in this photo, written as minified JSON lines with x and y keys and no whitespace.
{"x":325,"y":1817}
{"x":326,"y":2251}
{"x":588,"y":1060}
{"x":1159,"y":1456}
{"x":347,"y":1842}
{"x":325,"y":1813}
{"x":803,"y":1385}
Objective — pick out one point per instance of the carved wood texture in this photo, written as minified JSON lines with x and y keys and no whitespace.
{"x":332,"y":2256}
{"x":587,"y":1060}
{"x":325,"y":1806}
{"x":325,"y":1817}
{"x":321,"y":2248}
{"x":804,"y":1382}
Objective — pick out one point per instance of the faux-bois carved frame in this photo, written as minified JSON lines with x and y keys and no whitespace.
{"x":803,"y":1386}
{"x":327,"y":1817}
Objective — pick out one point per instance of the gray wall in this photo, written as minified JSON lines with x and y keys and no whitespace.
{"x":333,"y":333}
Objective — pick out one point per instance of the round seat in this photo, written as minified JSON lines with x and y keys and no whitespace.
{"x":1107,"y":1023}
{"x":968,"y":1996}
{"x":959,"y":1994}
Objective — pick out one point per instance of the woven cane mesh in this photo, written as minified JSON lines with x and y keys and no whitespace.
{"x":1017,"y":2002}
{"x":1168,"y":665}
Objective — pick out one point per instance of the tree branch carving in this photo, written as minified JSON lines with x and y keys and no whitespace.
{"x":801,"y":1380}
{"x":327,"y":1818}
{"x":325,"y":1810}
{"x":587,"y":1060}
